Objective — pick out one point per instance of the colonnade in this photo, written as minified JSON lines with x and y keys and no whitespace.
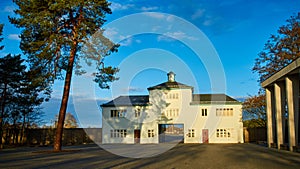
{"x":282,"y":108}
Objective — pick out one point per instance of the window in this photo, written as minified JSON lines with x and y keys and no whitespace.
{"x":204,"y":112}
{"x":151,"y":133}
{"x":172,"y":96}
{"x":191,"y":133}
{"x":224,"y":133}
{"x":118,"y":113}
{"x":114,"y":113}
{"x":118,"y":133}
{"x":172,"y":112}
{"x":224,"y":112}
{"x":137,"y":113}
{"x":231,"y":112}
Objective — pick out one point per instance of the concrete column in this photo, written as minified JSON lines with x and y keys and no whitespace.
{"x":291,"y":119}
{"x":295,"y":81}
{"x":269,"y":117}
{"x":278,"y":111}
{"x":283,"y":109}
{"x":296,"y":107}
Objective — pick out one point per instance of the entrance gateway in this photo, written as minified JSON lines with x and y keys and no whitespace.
{"x":171,"y":133}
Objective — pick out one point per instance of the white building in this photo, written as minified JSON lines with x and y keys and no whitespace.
{"x":172,"y":113}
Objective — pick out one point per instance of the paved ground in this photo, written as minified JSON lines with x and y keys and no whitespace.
{"x":181,"y":156}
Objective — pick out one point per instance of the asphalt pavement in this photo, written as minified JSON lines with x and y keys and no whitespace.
{"x":185,"y":156}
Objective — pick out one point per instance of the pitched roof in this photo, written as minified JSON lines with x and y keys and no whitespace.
{"x":143,"y":100}
{"x":213,"y":98}
{"x":134,"y":100}
{"x":170,"y":85}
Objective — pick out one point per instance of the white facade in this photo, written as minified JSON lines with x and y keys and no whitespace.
{"x":172,"y":112}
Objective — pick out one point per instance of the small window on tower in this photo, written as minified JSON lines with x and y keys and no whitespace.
{"x":204,"y":112}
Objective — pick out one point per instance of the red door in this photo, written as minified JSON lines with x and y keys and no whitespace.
{"x":137,"y":136}
{"x":205,"y":135}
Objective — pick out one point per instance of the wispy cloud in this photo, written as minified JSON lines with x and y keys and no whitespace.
{"x":198,"y":14}
{"x":208,"y":22}
{"x":126,"y":42}
{"x":155,"y":15}
{"x":171,"y":36}
{"x":170,"y":18}
{"x":133,"y":89}
{"x":151,"y":8}
{"x":118,"y":7}
{"x":9,"y":9}
{"x":14,"y":37}
{"x":111,"y":33}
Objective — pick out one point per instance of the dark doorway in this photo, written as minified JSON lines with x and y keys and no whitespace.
{"x":171,"y":133}
{"x":137,"y":136}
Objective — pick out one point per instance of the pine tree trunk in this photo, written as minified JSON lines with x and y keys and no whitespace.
{"x":22,"y":134}
{"x":3,"y":97}
{"x":64,"y":101}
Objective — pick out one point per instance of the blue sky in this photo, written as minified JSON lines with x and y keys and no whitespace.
{"x":208,"y":44}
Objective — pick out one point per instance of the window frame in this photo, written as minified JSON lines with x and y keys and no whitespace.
{"x":150,"y":133}
{"x":204,"y":112}
{"x":191,"y":133}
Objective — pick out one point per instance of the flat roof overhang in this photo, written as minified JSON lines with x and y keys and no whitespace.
{"x":291,"y":69}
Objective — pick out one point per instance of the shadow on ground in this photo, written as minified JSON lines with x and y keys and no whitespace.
{"x":180,"y":156}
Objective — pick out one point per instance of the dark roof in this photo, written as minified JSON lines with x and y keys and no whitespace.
{"x":212,"y":98}
{"x":143,"y":100}
{"x":135,"y":100}
{"x":170,"y":85}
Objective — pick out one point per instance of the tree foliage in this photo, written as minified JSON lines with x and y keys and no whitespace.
{"x":20,"y":96}
{"x":1,"y":33}
{"x":54,"y":29}
{"x":254,"y":111}
{"x":280,"y":50}
{"x":70,"y":121}
{"x":53,"y":34}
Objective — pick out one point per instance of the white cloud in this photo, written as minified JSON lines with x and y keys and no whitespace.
{"x":155,"y":15}
{"x":171,"y":36}
{"x":155,"y":28}
{"x":14,"y":37}
{"x":198,"y":14}
{"x":126,"y":41}
{"x":133,"y":89}
{"x":165,"y":38}
{"x":111,"y":33}
{"x":118,"y":7}
{"x":208,"y":22}
{"x":149,"y":8}
{"x":170,"y":18}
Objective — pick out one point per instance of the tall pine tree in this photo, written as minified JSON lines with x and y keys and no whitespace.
{"x":53,"y":33}
{"x":12,"y":73}
{"x":1,"y":99}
